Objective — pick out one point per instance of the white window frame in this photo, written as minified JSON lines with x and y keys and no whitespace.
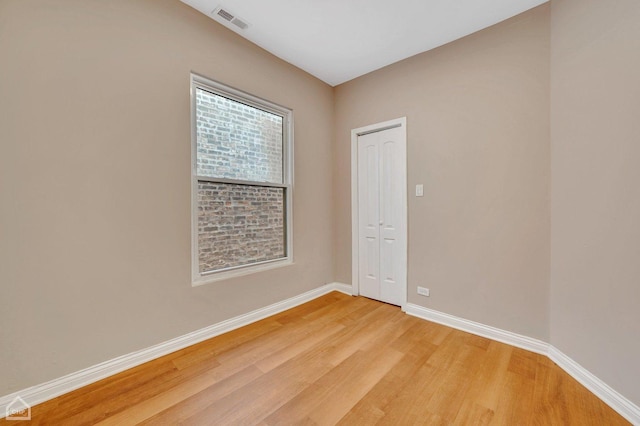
{"x":197,"y":278}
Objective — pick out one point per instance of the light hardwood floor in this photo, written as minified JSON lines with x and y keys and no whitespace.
{"x":337,"y":360}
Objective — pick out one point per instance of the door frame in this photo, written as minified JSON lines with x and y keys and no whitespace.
{"x":355,"y":133}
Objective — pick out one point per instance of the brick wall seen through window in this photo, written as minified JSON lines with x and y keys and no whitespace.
{"x":241,"y":182}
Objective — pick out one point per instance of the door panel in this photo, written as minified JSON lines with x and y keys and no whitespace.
{"x":382,"y":215}
{"x":372,"y":258}
{"x":371,"y":182}
{"x":387,"y":271}
{"x":387,"y":187}
{"x":369,"y":201}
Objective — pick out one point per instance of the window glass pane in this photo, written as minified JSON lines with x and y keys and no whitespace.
{"x":237,"y":141}
{"x":239,"y":225}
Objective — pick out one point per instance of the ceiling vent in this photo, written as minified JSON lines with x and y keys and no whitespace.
{"x":225,"y":15}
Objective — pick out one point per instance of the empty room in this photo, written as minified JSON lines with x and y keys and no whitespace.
{"x":319,"y":212}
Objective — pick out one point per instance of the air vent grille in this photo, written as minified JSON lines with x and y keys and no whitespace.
{"x":230,"y":17}
{"x":240,"y":23}
{"x":226,"y":15}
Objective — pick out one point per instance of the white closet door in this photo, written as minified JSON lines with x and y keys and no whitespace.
{"x":382,"y":222}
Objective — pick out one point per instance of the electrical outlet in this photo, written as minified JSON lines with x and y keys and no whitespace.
{"x":423,"y":291}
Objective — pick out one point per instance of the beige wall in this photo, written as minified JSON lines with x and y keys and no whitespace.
{"x":595,"y":197}
{"x":95,"y":180}
{"x":478,"y":139}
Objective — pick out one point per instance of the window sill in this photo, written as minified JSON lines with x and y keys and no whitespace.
{"x":238,"y":272}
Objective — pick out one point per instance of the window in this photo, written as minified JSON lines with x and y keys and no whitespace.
{"x":242,"y":182}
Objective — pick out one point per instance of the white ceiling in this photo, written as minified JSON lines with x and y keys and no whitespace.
{"x":338,"y":40}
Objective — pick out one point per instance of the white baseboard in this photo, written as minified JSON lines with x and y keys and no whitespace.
{"x":493,"y":333}
{"x":615,"y":400}
{"x":343,"y":288}
{"x":611,"y":397}
{"x":49,"y":390}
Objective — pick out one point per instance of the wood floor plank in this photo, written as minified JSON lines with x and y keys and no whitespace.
{"x":251,"y":404}
{"x":329,"y":301}
{"x":409,"y":405}
{"x":335,"y":391}
{"x":372,"y":405}
{"x":524,"y":363}
{"x":353,"y":386}
{"x":113,"y":403}
{"x":165,"y":400}
{"x":454,"y":385}
{"x":290,"y":351}
{"x":471,"y":413}
{"x":516,"y":400}
{"x":294,"y":376}
{"x":336,"y":360}
{"x":486,"y":386}
{"x":177,"y":413}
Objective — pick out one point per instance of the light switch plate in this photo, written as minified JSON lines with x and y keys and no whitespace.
{"x":419,"y":190}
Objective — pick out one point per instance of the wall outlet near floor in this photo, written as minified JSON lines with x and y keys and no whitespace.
{"x":423,"y":291}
